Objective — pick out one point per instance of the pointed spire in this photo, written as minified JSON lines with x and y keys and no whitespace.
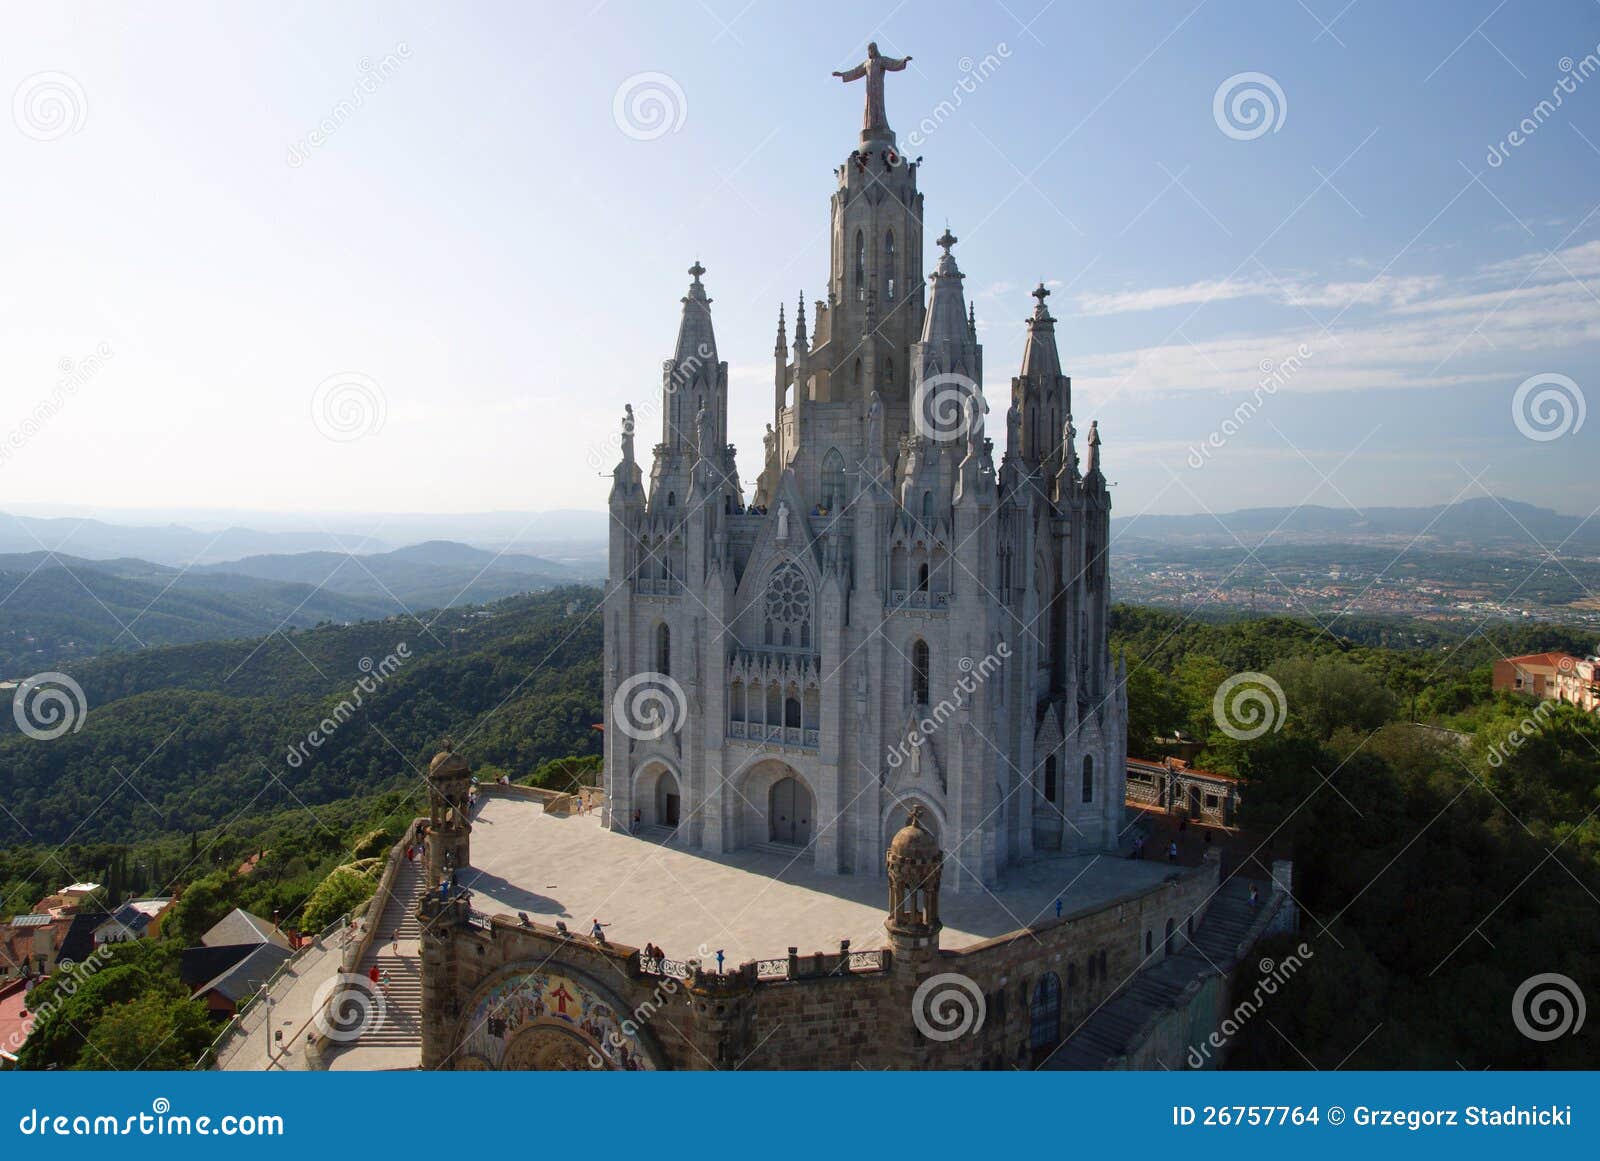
{"x":1040,"y":360}
{"x":800,"y":324}
{"x":972,"y":320}
{"x":781,"y":348}
{"x":947,"y":309}
{"x":696,"y":352}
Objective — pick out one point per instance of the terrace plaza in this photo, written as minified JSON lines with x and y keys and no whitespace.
{"x":750,"y":904}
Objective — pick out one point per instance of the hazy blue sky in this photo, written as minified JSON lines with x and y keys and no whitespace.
{"x":484,"y":244}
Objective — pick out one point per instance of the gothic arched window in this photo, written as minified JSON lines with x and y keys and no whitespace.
{"x":1045,"y":1015}
{"x":1050,"y":778}
{"x":832,"y":480}
{"x":888,"y":265}
{"x":788,"y":606}
{"x":856,"y":379}
{"x":861,"y":266}
{"x":919,"y":672}
{"x":664,"y":650}
{"x":1088,"y":777}
{"x":922,"y":578}
{"x":927,"y":505}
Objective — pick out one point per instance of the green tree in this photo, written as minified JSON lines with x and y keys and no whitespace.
{"x":345,"y":889}
{"x":153,"y":1032}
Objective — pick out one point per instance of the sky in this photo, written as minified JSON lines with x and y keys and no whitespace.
{"x":441,"y":299}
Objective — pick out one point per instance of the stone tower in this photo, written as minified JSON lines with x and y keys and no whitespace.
{"x":449,"y":845}
{"x":892,"y":619}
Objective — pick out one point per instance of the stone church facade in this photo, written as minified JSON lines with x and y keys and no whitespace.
{"x":891,"y":618}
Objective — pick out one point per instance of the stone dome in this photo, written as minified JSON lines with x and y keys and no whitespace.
{"x":447,"y":762}
{"x":913,"y":841}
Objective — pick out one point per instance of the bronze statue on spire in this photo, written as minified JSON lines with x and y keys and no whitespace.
{"x":874,"y":122}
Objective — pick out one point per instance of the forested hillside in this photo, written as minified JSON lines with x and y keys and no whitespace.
{"x":188,"y":737}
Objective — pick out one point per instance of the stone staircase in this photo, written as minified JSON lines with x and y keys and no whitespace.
{"x":783,"y":850}
{"x":401,"y":1027}
{"x":1110,"y":1031}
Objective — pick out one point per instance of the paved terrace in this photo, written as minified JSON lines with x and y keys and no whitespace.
{"x":752,"y":904}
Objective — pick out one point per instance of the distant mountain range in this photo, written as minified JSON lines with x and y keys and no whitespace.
{"x":199,"y":537}
{"x":1481,"y":523}
{"x":58,"y":607}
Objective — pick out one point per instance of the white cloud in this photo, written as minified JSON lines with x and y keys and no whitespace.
{"x":1389,"y":331}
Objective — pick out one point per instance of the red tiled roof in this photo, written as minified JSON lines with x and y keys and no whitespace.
{"x":1553,"y":660}
{"x":16,"y":1020}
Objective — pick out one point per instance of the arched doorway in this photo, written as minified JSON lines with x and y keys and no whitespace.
{"x":547,"y":1047}
{"x":667,"y":799}
{"x":789,"y":812}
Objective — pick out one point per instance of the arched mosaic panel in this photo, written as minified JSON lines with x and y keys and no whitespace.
{"x":550,"y":1019}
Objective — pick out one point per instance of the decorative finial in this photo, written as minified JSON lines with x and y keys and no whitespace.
{"x":1041,"y":294}
{"x":697,"y":270}
{"x":947,"y":240}
{"x":914,"y":816}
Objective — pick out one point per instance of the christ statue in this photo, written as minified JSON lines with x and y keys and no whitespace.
{"x":874,"y":122}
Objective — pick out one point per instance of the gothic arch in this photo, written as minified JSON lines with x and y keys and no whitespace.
{"x":645,"y":788}
{"x":753,"y":784}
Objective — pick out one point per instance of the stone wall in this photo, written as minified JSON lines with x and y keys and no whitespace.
{"x":827,"y":1011}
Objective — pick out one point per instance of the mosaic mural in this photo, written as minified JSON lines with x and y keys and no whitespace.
{"x":549,"y":1020}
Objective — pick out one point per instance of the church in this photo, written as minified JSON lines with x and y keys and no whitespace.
{"x":891,"y":619}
